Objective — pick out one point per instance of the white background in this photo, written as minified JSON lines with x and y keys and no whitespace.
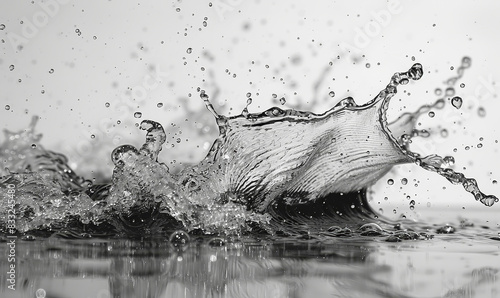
{"x":132,"y":54}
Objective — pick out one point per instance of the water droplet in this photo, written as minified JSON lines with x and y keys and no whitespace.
{"x":189,"y":50}
{"x":77,"y":31}
{"x":94,"y":37}
{"x":481,"y":112}
{"x":456,"y":102}
{"x":331,"y":94}
{"x":210,"y":4}
{"x":431,"y":114}
{"x":11,"y":67}
{"x":404,"y":181}
{"x":367,"y":65}
{"x":438,"y":91}
{"x":137,"y":115}
{"x":92,"y":136}
{"x":494,"y":182}
{"x":479,"y":145}
{"x":462,"y":85}
{"x":249,"y":94}
{"x":178,"y":140}
{"x":179,"y":238}
{"x":449,"y":160}
{"x":390,"y":182}
{"x":33,"y":146}
{"x":51,"y":71}
{"x":282,"y":101}
{"x":178,"y":9}
{"x":7,"y":107}
{"x":2,"y":26}
{"x":159,"y":105}
{"x":204,"y":23}
{"x":107,"y":104}
{"x":444,"y":133}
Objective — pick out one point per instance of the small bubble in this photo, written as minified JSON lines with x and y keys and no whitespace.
{"x":367,"y":65}
{"x":494,"y":182}
{"x":390,"y":182}
{"x":118,"y":122}
{"x":189,"y":50}
{"x":11,"y":67}
{"x":159,"y":105}
{"x":234,"y":75}
{"x":444,"y":133}
{"x":456,"y":102}
{"x":43,"y":91}
{"x":92,"y":136}
{"x":452,"y":68}
{"x":462,"y":85}
{"x":178,"y":9}
{"x":51,"y":71}
{"x":331,"y":94}
{"x":107,"y":104}
{"x":438,"y":91}
{"x":481,"y":112}
{"x":467,"y":147}
{"x":479,"y":145}
{"x":210,"y":4}
{"x":2,"y":26}
{"x":404,"y":181}
{"x":7,"y":107}
{"x":137,"y":115}
{"x":33,"y":146}
{"x":178,"y":140}
{"x":204,"y":23}
{"x":282,"y":101}
{"x":431,"y":114}
{"x":94,"y":37}
{"x":40,"y":293}
{"x":249,"y":94}
{"x":179,"y":238}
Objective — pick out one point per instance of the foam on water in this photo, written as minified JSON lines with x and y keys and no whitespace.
{"x":259,"y":166}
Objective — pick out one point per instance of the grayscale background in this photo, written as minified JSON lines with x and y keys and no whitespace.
{"x":64,"y":60}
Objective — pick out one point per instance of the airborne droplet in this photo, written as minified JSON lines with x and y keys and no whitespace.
{"x":456,"y":102}
{"x":481,"y":112}
{"x":137,"y":115}
{"x":331,"y":93}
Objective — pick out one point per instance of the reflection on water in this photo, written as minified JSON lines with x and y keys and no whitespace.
{"x":462,"y":264}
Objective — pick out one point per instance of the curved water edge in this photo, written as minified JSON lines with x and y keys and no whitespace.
{"x":279,"y":171}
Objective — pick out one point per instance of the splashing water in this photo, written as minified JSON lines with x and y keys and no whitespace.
{"x":259,"y":166}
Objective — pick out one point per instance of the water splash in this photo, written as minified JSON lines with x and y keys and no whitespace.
{"x":259,"y":164}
